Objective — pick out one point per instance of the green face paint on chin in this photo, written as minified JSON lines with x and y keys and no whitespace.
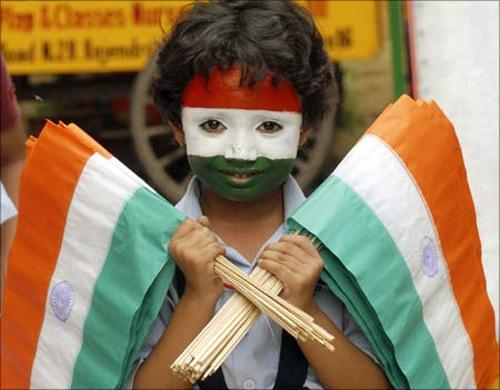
{"x":240,"y":180}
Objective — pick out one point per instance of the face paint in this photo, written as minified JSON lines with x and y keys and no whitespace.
{"x":240,"y":179}
{"x":241,"y":142}
{"x":241,"y":134}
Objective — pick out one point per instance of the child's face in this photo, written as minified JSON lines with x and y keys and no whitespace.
{"x":241,"y":142}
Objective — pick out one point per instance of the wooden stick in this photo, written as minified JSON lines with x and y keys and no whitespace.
{"x":234,"y":270}
{"x":255,"y":293}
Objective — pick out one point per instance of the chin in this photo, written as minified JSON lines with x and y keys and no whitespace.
{"x":243,"y":195}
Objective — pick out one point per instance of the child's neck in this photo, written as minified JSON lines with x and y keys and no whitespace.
{"x":244,"y":225}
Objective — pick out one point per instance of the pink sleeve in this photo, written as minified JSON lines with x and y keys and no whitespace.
{"x":8,"y":102}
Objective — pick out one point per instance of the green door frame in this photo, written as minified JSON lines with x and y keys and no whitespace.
{"x":399,"y":47}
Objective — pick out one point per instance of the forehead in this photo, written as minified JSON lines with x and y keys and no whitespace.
{"x":223,"y":90}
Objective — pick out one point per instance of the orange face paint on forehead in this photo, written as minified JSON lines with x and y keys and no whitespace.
{"x":223,"y":90}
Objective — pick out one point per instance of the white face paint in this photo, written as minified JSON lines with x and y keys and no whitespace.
{"x":241,"y":134}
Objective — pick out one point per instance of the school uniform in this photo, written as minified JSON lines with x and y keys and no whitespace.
{"x":266,"y":357}
{"x":7,"y":210}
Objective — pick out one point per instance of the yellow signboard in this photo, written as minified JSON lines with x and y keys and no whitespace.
{"x":112,"y":36}
{"x":349,"y":27}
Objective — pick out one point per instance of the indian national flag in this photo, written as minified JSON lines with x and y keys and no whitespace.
{"x":88,"y":270}
{"x":402,"y":250}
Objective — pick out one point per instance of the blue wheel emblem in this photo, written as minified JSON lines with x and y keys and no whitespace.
{"x":429,"y":257}
{"x":61,"y":300}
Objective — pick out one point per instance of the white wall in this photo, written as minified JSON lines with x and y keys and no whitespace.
{"x":456,"y":46}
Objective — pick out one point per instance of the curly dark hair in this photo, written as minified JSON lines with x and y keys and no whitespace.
{"x":272,"y":36}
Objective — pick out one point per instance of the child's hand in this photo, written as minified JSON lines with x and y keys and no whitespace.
{"x":296,"y":263}
{"x":194,"y":248}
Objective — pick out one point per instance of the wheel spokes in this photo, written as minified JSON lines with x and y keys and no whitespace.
{"x":152,"y":131}
{"x":171,"y":157}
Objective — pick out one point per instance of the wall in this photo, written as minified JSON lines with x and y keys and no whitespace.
{"x":456,"y":46}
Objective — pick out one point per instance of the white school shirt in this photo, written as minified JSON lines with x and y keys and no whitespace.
{"x":7,"y":208}
{"x":253,"y":364}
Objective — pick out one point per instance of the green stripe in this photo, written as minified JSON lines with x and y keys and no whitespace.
{"x":366,"y":269}
{"x":129,"y":291}
{"x":349,"y":292}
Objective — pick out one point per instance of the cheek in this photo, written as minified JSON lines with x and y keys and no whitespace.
{"x":201,"y":143}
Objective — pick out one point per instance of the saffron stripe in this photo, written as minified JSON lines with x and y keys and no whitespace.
{"x":351,"y":230}
{"x":99,"y":197}
{"x":31,"y":265}
{"x":379,"y":177}
{"x":435,"y":161}
{"x":137,"y":272}
{"x":80,"y":137}
{"x":223,"y":90}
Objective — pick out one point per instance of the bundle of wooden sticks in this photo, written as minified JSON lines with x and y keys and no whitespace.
{"x":255,"y":294}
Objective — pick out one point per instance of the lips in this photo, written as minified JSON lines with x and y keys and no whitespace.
{"x":242,"y":175}
{"x":241,"y":178}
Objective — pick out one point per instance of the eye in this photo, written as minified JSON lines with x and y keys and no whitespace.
{"x":213,"y":126}
{"x":269,"y":127}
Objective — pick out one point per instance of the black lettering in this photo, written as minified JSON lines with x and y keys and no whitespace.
{"x":59,"y":50}
{"x":47,"y":51}
{"x":341,"y":38}
{"x":18,"y":55}
{"x":344,"y":36}
{"x":104,"y":54}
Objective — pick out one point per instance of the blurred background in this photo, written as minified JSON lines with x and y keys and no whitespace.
{"x":91,"y":63}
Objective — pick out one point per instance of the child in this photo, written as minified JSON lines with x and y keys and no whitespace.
{"x":242,"y":83}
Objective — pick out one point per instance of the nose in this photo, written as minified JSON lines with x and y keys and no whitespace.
{"x":242,"y":146}
{"x":241,"y":152}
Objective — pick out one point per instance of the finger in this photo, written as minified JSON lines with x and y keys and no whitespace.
{"x":284,"y":259}
{"x":290,"y":249}
{"x":309,"y":254}
{"x":199,"y":238}
{"x":283,"y":273}
{"x":302,"y":242}
{"x":210,"y":253}
{"x":203,"y":224}
{"x":184,"y":229}
{"x":203,"y":221}
{"x":215,"y":249}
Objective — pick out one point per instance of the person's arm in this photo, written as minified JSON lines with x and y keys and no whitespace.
{"x":12,"y":162}
{"x":12,"y":154}
{"x":12,"y":133}
{"x":194,"y":249}
{"x":297,"y":264}
{"x":190,"y":316}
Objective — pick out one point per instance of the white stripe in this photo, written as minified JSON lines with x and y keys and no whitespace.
{"x":376,"y":173}
{"x":99,"y":197}
{"x":240,"y":137}
{"x":130,"y":174}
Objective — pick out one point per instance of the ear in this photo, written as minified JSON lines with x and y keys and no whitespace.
{"x":178,"y":133}
{"x":304,"y":136}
